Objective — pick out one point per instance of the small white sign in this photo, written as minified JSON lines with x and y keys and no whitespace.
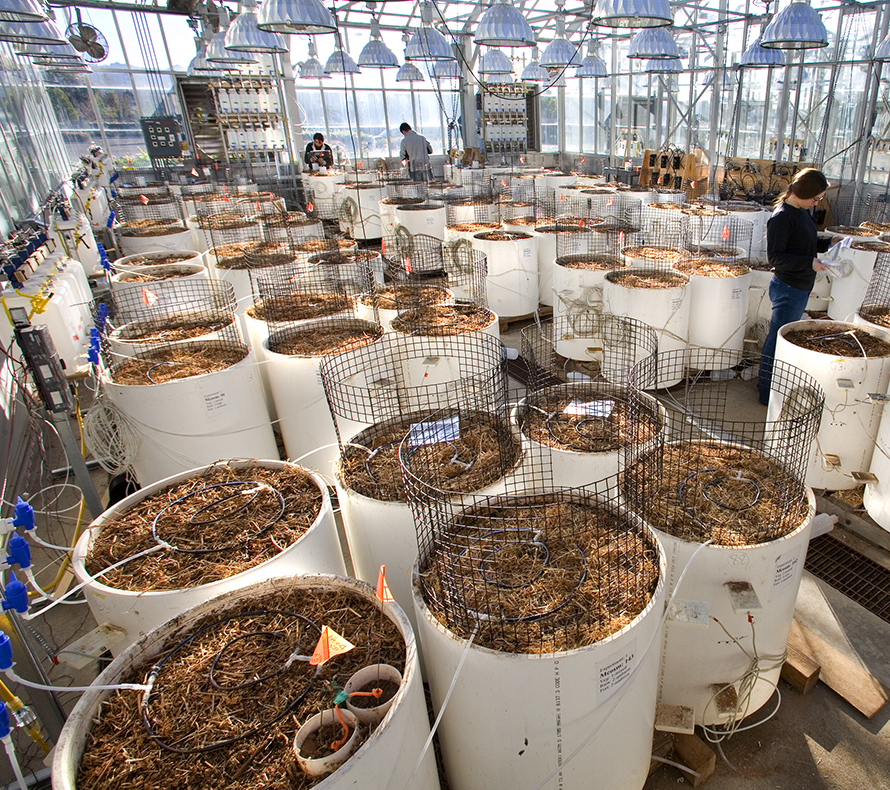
{"x":430,"y":221}
{"x":526,"y":252}
{"x":786,"y":566}
{"x":736,"y":293}
{"x":215,"y":401}
{"x":593,"y":408}
{"x":615,"y":670}
{"x":676,"y":303}
{"x":447,"y":430}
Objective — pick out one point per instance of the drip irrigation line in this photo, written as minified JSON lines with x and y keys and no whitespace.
{"x":157,"y":668}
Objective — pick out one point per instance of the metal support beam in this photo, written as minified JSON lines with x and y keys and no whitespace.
{"x":76,"y":461}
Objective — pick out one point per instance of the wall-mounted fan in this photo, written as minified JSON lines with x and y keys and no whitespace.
{"x":87,"y":40}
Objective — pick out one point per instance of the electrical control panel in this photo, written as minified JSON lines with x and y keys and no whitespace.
{"x":163,"y":137}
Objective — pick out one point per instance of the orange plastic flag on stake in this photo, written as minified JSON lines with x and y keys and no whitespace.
{"x":725,"y":233}
{"x":148,"y":297}
{"x":309,"y":206}
{"x":407,"y":265}
{"x":330,"y":644}
{"x":144,"y":200}
{"x":194,"y":172}
{"x":383,"y":592}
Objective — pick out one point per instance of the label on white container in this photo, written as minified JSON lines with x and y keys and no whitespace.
{"x":676,"y":302}
{"x":430,"y":221}
{"x":736,"y":293}
{"x":526,"y":252}
{"x":593,"y":408}
{"x":215,"y":401}
{"x":616,"y":669}
{"x":447,"y":430}
{"x":786,"y":566}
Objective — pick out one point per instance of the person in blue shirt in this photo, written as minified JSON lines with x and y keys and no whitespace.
{"x":415,"y":150}
{"x":791,"y":246}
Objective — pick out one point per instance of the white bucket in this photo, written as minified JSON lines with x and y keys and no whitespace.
{"x":697,"y":653}
{"x":387,"y":211}
{"x":239,"y":278}
{"x":189,"y":422}
{"x":760,"y":308}
{"x":426,"y":219}
{"x":512,"y":279}
{"x":851,"y":419}
{"x":514,"y":719}
{"x":359,"y":210}
{"x":473,"y":212}
{"x":385,"y":759}
{"x":758,"y":217}
{"x":121,"y":345}
{"x":850,"y":282}
{"x":147,"y":260}
{"x":371,"y":674}
{"x":820,"y":296}
{"x":546,"y":236}
{"x":137,"y":613}
{"x":199,"y":237}
{"x":574,"y":468}
{"x":666,"y":310}
{"x":556,"y":180}
{"x":180,"y":239}
{"x":718,"y":310}
{"x":876,"y":497}
{"x":162,"y":282}
{"x":579,"y":290}
{"x":670,"y":196}
{"x":304,"y":418}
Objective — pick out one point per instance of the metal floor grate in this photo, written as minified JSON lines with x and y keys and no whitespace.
{"x":848,"y":571}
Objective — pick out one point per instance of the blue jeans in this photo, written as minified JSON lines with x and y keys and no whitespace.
{"x":420,"y":175}
{"x":788,"y":306}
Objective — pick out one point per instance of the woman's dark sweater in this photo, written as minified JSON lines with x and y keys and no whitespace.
{"x":791,"y":245}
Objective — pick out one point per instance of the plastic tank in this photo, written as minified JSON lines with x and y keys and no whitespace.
{"x":850,"y":282}
{"x":426,"y":219}
{"x":385,"y":759}
{"x":322,"y":190}
{"x":216,"y":415}
{"x":546,"y":721}
{"x":137,"y":613}
{"x":178,"y":239}
{"x":122,"y":341}
{"x":665,"y":309}
{"x":150,"y":259}
{"x":512,"y":280}
{"x":160,"y":283}
{"x":578,"y":282}
{"x":359,"y":210}
{"x":698,"y":657}
{"x":846,"y":438}
{"x":472,"y":211}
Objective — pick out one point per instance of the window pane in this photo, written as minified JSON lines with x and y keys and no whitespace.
{"x":180,"y":39}
{"x":549,"y":122}
{"x":70,"y":100}
{"x":142,"y":37}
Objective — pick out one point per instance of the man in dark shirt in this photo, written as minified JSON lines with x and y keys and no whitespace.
{"x":415,"y":151}
{"x":318,"y":152}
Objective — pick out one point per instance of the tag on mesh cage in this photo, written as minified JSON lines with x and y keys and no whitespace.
{"x":447,"y":430}
{"x":593,"y":408}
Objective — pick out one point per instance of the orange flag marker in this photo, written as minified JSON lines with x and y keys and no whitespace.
{"x":383,"y":592}
{"x":330,"y":644}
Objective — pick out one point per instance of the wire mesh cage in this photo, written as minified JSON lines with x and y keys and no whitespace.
{"x":292,"y":227}
{"x":876,"y":303}
{"x":225,"y":229}
{"x":157,"y":189}
{"x":178,"y":311}
{"x":538,"y":572}
{"x":482,"y":207}
{"x":293,"y":292}
{"x":142,"y":207}
{"x":598,"y":346}
{"x":356,"y":271}
{"x":403,"y":374}
{"x":662,"y":224}
{"x":714,"y":233}
{"x":511,"y":210}
{"x":261,"y":203}
{"x":405,"y":188}
{"x":206,"y":204}
{"x":713,"y":477}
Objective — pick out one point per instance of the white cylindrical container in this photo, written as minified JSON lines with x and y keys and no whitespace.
{"x":138,"y":337}
{"x":876,"y":498}
{"x":512,"y":279}
{"x":304,"y":418}
{"x":387,"y":209}
{"x":718,"y":304}
{"x":658,"y":299}
{"x":670,"y":196}
{"x":578,"y":282}
{"x":465,"y":231}
{"x":599,"y":410}
{"x":850,"y":280}
{"x":470,"y":210}
{"x":149,"y":259}
{"x":757,"y":216}
{"x":388,"y":302}
{"x":546,"y":236}
{"x":535,"y":704}
{"x":322,"y":189}
{"x":820,"y":296}
{"x":850,"y":421}
{"x":760,"y":308}
{"x":216,"y":415}
{"x":426,"y":219}
{"x":170,"y":236}
{"x":156,"y":282}
{"x":359,"y":210}
{"x":367,"y":677}
{"x":853,"y":233}
{"x":138,"y":612}
{"x":556,"y":180}
{"x":652,"y":257}
{"x":386,"y":758}
{"x":699,"y":658}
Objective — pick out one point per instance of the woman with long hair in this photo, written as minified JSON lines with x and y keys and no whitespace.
{"x":791,"y":246}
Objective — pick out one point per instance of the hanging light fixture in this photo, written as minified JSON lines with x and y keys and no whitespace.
{"x":218,"y":54}
{"x":632,"y":13}
{"x":340,"y":61}
{"x":408,"y":72}
{"x":756,"y":56}
{"x":653,"y":42}
{"x":295,"y":16}
{"x":592,"y":65}
{"x":498,"y":79}
{"x":560,"y":53}
{"x":663,"y":66}
{"x":198,"y":66}
{"x":44,"y":32}
{"x":446,"y":70}
{"x":882,"y":50}
{"x":797,"y":26}
{"x":243,"y":33}
{"x":69,"y":67}
{"x":534,"y":72}
{"x":558,"y":82}
{"x":495,"y":62}
{"x":311,"y":69}
{"x":21,"y":11}
{"x":428,"y":43}
{"x":375,"y":54}
{"x":58,"y":51}
{"x":503,"y":25}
